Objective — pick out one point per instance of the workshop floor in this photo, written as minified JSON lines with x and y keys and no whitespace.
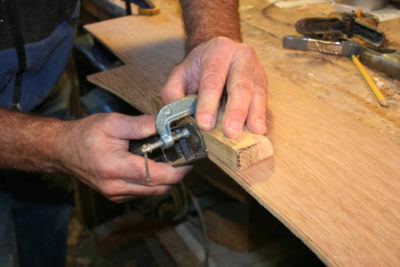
{"x":239,"y":234}
{"x":173,"y":245}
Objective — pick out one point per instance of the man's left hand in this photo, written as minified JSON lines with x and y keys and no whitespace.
{"x":213,"y":65}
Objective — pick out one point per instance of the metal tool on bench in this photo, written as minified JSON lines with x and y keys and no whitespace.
{"x":178,"y":145}
{"x":344,"y":48}
{"x":382,"y":59}
{"x":342,"y":26}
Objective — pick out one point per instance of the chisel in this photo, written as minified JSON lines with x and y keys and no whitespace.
{"x":344,"y":48}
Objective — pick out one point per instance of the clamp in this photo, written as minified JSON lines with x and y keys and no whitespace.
{"x":178,"y":145}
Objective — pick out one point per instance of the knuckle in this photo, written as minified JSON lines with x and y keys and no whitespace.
{"x":261,"y":91}
{"x":108,"y":191}
{"x":248,"y":50}
{"x":262,"y":94}
{"x":244,"y":84}
{"x":213,"y":83}
{"x":243,"y":87}
{"x":141,"y":123}
{"x":110,"y":118}
{"x":107,"y":173}
{"x":143,"y":126}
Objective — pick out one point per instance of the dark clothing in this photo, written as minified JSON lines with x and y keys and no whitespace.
{"x":42,"y":56}
{"x":33,"y":233}
{"x":37,"y":18}
{"x":36,"y":39}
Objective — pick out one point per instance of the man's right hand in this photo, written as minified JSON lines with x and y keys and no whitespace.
{"x":95,"y":149}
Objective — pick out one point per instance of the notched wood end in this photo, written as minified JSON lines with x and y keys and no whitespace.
{"x":260,"y":149}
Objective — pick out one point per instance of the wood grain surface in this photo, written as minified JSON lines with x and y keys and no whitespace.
{"x":332,"y":180}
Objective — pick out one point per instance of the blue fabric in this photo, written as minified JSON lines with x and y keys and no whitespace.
{"x":46,"y":61}
{"x":40,"y":233}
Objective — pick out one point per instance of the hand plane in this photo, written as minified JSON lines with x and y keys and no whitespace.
{"x":177,"y":145}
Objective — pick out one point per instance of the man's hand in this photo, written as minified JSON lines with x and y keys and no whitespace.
{"x":95,"y":150}
{"x":213,"y":65}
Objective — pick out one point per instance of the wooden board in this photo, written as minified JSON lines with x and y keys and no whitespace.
{"x":239,"y":153}
{"x":333,"y":181}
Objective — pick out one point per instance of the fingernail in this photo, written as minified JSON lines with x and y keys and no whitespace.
{"x":207,"y":121}
{"x":235,"y":127}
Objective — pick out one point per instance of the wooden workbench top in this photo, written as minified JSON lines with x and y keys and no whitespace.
{"x":334,"y":179}
{"x":333,"y":79}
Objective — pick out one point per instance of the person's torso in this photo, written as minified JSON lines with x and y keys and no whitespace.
{"x":36,"y":38}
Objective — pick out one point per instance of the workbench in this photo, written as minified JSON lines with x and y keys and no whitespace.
{"x":334,"y":179}
{"x":333,"y":79}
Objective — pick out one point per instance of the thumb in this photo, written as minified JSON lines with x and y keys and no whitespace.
{"x":132,"y":127}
